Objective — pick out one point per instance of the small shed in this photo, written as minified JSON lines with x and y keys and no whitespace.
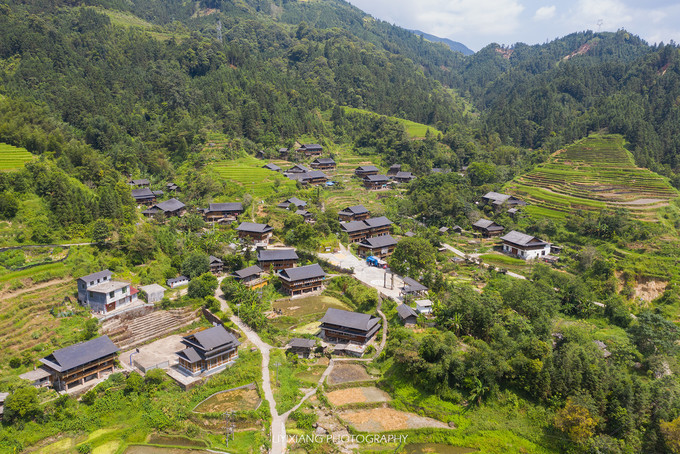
{"x":177,"y":281}
{"x":153,"y":292}
{"x":302,"y":347}
{"x":424,"y":306}
{"x":407,"y":315}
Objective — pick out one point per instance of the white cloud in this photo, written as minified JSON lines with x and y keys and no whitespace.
{"x":545,"y":12}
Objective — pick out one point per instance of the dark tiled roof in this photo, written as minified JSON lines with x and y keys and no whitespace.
{"x":496,"y":196}
{"x":354,"y":320}
{"x":302,"y":343}
{"x":323,"y":161}
{"x":190,"y":354}
{"x":230,"y":206}
{"x":95,"y":276}
{"x":254,"y":227}
{"x":176,"y":279}
{"x":212,"y":259}
{"x":312,"y":146}
{"x":404,"y":175}
{"x":143,"y":193}
{"x":140,"y":182}
{"x":294,"y":200}
{"x":214,"y":337}
{"x":405,"y":311}
{"x":380,"y":221}
{"x":313,"y":174}
{"x":170,"y":205}
{"x":378,"y":242}
{"x":487,"y":224}
{"x":376,"y":178}
{"x":302,"y":272}
{"x":299,"y":168}
{"x":354,"y":226}
{"x":76,"y":355}
{"x":272,"y":166}
{"x":367,"y":169}
{"x":267,"y":255}
{"x":247,"y":272}
{"x":354,"y":210}
{"x":411,"y":285}
{"x":522,"y":239}
{"x":303,"y":213}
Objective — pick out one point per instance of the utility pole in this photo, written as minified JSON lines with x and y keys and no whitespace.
{"x":277,"y":364}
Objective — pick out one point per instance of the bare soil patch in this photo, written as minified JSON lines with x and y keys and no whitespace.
{"x":367,"y":394}
{"x":388,"y":419}
{"x":344,"y":373}
{"x":235,"y":400}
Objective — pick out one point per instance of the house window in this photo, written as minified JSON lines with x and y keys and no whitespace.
{"x":111,"y":294}
{"x":90,"y":294}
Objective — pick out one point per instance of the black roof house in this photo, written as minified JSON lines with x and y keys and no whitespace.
{"x":364,"y":169}
{"x":172,"y":206}
{"x":272,"y":166}
{"x":145,"y":194}
{"x":496,"y":198}
{"x":208,"y":343}
{"x":406,"y":314}
{"x":377,"y":178}
{"x":378,"y":242}
{"x":248,"y":272}
{"x":522,"y":239}
{"x":297,"y":168}
{"x":413,"y":287}
{"x":268,"y":255}
{"x":302,"y":273}
{"x":349,"y":326}
{"x":354,"y":210}
{"x":80,"y":354}
{"x":294,"y":200}
{"x":220,"y":207}
{"x":253,"y":227}
{"x":380,"y":221}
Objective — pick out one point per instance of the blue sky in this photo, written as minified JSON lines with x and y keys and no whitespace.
{"x":477,"y":23}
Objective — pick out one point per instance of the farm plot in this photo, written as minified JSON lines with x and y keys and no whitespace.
{"x":249,"y":177}
{"x":241,"y":399}
{"x":388,"y":419}
{"x":300,"y":311}
{"x":13,"y":158}
{"x":367,"y":394}
{"x":593,"y":174}
{"x":345,"y":373}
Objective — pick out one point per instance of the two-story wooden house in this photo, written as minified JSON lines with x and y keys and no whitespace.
{"x":258,"y":233}
{"x":354,"y":213}
{"x":223,"y":212}
{"x":276,"y":259}
{"x":342,"y":326}
{"x":208,"y":351}
{"x":304,"y":279}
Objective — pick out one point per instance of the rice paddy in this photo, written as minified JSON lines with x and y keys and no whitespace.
{"x":248,"y":177}
{"x":13,"y":158}
{"x":593,"y":174}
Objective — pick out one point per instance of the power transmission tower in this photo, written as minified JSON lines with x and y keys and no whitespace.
{"x":230,"y":426}
{"x":599,"y":25}
{"x":219,"y":30}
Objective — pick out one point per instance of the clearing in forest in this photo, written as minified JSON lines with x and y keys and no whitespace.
{"x":13,"y":158}
{"x":593,"y":174}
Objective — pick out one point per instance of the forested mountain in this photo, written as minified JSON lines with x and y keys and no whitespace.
{"x":453,"y":45}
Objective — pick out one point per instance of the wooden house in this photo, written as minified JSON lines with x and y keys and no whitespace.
{"x":141,"y":183}
{"x":407,"y":315}
{"x":488,"y":228}
{"x":145,"y":196}
{"x":379,"y":246}
{"x":364,"y":171}
{"x":413,"y":288}
{"x":303,"y":348}
{"x":276,"y":259}
{"x":258,"y":233}
{"x":308,"y":216}
{"x":368,"y":228}
{"x":169,"y":208}
{"x":250,"y":277}
{"x":323,"y":164}
{"x":76,"y":365}
{"x":497,"y":199}
{"x":283,"y":153}
{"x":223,"y":212}
{"x":297,"y":168}
{"x":374,"y":182}
{"x":403,"y":177}
{"x":273,"y":167}
{"x":216,"y":265}
{"x":292,"y":201}
{"x":340,"y":326}
{"x":208,"y":351}
{"x":354,"y":213}
{"x":525,"y":246}
{"x":393,"y":170}
{"x":311,"y":149}
{"x":304,"y":279}
{"x":312,"y":178}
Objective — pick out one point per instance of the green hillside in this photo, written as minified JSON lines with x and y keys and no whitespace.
{"x":594,"y":173}
{"x":413,"y":129}
{"x":12,"y":158}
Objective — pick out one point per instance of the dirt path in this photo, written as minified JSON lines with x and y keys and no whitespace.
{"x":6,"y":296}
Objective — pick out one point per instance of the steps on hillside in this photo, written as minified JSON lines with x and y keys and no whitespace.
{"x":130,"y":332}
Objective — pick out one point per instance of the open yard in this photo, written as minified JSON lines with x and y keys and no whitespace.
{"x":388,"y":419}
{"x":13,"y":158}
{"x":345,"y":373}
{"x":367,"y":394}
{"x":594,"y":173}
{"x":242,"y":399}
{"x":302,"y":311}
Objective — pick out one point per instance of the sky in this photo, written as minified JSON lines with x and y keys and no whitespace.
{"x":477,"y":23}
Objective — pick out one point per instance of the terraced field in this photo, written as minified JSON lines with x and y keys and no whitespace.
{"x":413,"y":129}
{"x":251,"y":178}
{"x":593,"y":174}
{"x":12,"y":158}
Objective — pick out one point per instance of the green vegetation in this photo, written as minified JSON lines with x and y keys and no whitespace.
{"x":413,"y":129}
{"x":13,"y":158}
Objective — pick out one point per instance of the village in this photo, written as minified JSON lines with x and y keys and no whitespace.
{"x":138,"y":335}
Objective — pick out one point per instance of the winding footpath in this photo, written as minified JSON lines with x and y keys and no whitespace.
{"x":278,"y":427}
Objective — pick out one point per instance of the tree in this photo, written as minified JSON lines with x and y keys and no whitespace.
{"x":91,"y":328}
{"x":413,"y":256}
{"x":653,"y":334}
{"x":100,"y":232}
{"x":671,"y":434}
{"x":195,"y":264}
{"x":576,"y":422}
{"x":202,"y":286}
{"x":481,"y":173}
{"x":22,"y":404}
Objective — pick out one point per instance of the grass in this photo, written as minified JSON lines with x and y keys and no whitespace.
{"x":301,"y":311}
{"x":13,"y":158}
{"x":593,"y":174}
{"x":413,"y":129}
{"x":246,"y":176}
